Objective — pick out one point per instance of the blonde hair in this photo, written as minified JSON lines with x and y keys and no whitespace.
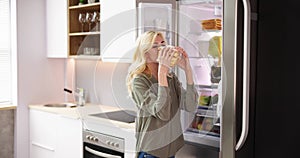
{"x":143,"y":44}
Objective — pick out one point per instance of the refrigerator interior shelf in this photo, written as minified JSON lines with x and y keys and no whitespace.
{"x":207,"y":107}
{"x":202,"y":139}
{"x":212,"y":30}
{"x":205,"y":33}
{"x":213,"y":86}
{"x":155,"y":28}
{"x":207,"y":115}
{"x":207,"y":112}
{"x":203,"y":132}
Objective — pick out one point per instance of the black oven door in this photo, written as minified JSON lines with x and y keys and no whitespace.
{"x":94,"y":151}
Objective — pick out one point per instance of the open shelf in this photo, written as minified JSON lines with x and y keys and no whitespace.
{"x":83,"y":6}
{"x":84,"y":33}
{"x":82,"y":39}
{"x":88,"y":57}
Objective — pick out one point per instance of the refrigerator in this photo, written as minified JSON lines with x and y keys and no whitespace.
{"x":220,"y":38}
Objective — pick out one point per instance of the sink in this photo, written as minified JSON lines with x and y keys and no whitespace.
{"x":60,"y":105}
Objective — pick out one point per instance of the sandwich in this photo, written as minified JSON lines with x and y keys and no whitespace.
{"x":176,"y":55}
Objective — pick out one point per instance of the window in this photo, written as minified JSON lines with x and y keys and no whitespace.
{"x":5,"y":53}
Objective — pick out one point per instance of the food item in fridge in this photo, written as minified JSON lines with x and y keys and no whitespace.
{"x":204,"y":100}
{"x":211,"y":24}
{"x":215,"y":75}
{"x":215,"y":46}
{"x":199,"y":126}
{"x":208,"y":124}
{"x":214,"y":99}
{"x":216,"y":129}
{"x":196,"y":122}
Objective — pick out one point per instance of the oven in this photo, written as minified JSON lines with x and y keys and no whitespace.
{"x":99,"y":145}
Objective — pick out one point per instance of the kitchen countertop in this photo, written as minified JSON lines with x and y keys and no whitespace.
{"x":118,"y":129}
{"x":83,"y":112}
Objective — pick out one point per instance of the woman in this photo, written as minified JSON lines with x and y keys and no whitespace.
{"x":159,"y":96}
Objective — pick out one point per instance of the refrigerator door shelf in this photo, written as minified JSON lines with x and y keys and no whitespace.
{"x":207,"y":113}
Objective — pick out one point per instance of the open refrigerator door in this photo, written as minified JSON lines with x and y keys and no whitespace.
{"x":200,"y":34}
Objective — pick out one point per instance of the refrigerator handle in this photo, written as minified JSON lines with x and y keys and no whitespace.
{"x":246,"y":74}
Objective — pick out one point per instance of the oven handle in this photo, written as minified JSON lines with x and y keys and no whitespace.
{"x":98,"y":153}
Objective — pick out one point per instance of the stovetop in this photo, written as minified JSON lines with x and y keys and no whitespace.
{"x":127,"y":116}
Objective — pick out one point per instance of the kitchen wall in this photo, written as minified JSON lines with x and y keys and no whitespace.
{"x":39,"y":79}
{"x":7,"y":133}
{"x":105,"y":82}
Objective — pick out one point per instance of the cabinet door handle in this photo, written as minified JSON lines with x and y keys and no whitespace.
{"x":246,"y":75}
{"x":42,"y":146}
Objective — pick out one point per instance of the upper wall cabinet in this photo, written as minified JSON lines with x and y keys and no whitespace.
{"x":56,"y":29}
{"x":73,"y":29}
{"x":118,"y":30}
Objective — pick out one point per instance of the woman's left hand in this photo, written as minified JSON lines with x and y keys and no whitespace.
{"x":183,"y":62}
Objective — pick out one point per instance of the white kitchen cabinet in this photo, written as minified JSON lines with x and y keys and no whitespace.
{"x":42,"y":134}
{"x":56,"y":29}
{"x":54,"y":136}
{"x":118,"y":30}
{"x":69,"y":138}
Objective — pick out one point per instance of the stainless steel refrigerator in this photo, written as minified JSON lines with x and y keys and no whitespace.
{"x":220,"y":38}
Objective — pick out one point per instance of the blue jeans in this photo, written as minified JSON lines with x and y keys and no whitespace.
{"x":146,"y":155}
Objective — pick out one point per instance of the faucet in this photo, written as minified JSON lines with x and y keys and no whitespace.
{"x":80,"y":94}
